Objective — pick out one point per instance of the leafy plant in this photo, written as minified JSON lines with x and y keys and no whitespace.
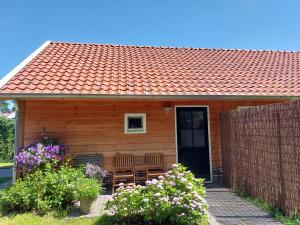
{"x":176,"y":198}
{"x":44,"y":190}
{"x":88,"y":188}
{"x":7,"y":130}
{"x":4,"y":107}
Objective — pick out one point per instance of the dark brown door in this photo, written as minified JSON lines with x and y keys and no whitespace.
{"x":192,"y":140}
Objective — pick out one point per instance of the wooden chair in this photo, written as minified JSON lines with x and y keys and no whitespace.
{"x":123,"y":170}
{"x":155,"y":165}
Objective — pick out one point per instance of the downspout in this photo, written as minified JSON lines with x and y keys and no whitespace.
{"x":17,"y":127}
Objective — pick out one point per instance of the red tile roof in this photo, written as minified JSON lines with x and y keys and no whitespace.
{"x":71,"y":68}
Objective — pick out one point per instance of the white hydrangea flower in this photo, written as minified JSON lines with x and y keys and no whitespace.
{"x":189,"y":187}
{"x":171,"y":183}
{"x":183,"y":179}
{"x":165,"y":199}
{"x":193,"y":205}
{"x":154,"y":181}
{"x":160,"y":186}
{"x":175,"y":199}
{"x":180,"y":175}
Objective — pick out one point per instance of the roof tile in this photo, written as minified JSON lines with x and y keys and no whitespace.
{"x":71,"y":68}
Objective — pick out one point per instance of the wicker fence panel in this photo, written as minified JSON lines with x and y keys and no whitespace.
{"x":261,"y":153}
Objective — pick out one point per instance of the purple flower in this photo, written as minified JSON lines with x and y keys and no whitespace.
{"x":94,"y":171}
{"x":37,"y":154}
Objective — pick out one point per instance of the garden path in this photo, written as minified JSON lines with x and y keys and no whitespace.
{"x":5,"y":172}
{"x":225,"y":207}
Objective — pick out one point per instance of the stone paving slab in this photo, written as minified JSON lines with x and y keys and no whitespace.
{"x":101,"y":200}
{"x":227,"y":208}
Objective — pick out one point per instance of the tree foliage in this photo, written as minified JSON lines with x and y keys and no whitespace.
{"x":6,"y":139}
{"x":4,"y":107}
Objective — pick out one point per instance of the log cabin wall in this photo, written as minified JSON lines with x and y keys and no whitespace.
{"x":97,"y":126}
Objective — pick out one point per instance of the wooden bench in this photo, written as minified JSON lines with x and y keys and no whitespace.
{"x":96,"y":159}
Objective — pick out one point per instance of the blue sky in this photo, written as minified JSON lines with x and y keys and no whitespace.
{"x":243,"y":24}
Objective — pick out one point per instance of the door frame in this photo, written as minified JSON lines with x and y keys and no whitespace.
{"x":208,"y":130}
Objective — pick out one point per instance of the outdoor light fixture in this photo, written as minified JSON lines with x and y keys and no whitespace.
{"x":167,"y":107}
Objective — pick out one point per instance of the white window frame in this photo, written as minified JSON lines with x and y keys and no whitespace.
{"x":138,"y":130}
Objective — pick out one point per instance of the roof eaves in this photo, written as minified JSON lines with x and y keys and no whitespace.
{"x":19,"y":67}
{"x":158,"y":97}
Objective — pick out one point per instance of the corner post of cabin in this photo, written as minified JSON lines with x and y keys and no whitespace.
{"x":19,"y":138}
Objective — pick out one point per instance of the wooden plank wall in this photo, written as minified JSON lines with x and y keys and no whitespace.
{"x":96,"y":126}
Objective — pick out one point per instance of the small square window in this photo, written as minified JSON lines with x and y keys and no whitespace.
{"x":135,"y":123}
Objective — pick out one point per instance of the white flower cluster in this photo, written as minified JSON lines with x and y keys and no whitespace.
{"x":177,"y":192}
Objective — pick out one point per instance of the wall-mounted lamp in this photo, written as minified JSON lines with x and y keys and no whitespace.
{"x":167,"y":107}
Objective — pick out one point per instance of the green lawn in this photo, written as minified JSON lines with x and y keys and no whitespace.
{"x":272,"y":211}
{"x":4,"y":165}
{"x":31,"y":219}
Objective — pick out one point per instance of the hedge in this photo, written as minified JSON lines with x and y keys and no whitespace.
{"x":6,"y":139}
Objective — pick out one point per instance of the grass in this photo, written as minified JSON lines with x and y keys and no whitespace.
{"x":32,"y":219}
{"x":25,"y":219}
{"x":5,"y":165}
{"x":274,"y":212}
{"x":4,"y":179}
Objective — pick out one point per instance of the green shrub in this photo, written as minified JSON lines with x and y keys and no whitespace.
{"x":88,"y":188}
{"x":176,"y":198}
{"x":44,"y":190}
{"x":7,"y":131}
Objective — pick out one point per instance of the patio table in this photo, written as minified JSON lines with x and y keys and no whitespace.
{"x":140,"y":171}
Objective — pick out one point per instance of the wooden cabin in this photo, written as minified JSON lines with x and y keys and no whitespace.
{"x":105,"y":99}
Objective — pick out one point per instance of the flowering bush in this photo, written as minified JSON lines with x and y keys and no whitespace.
{"x":176,"y":198}
{"x":42,"y":191}
{"x":39,"y":153}
{"x":94,"y":171}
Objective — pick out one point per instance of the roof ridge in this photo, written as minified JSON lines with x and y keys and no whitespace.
{"x":172,"y":47}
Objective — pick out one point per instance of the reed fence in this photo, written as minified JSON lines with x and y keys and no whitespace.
{"x":261,"y":153}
